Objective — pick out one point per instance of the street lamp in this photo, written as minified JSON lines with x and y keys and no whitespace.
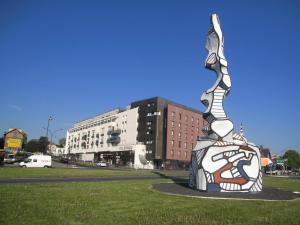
{"x":52,"y":134}
{"x":47,"y":130}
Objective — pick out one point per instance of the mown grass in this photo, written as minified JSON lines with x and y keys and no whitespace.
{"x":17,"y":172}
{"x":133,"y":202}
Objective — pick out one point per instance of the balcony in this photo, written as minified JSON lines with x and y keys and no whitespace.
{"x":114,"y":132}
{"x":114,"y":140}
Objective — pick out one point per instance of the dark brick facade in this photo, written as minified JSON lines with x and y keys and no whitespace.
{"x":184,"y":126}
{"x":155,"y":127}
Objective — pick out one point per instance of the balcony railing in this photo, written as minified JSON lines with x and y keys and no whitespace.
{"x":114,"y":132}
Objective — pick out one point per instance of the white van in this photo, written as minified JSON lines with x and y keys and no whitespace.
{"x":37,"y":161}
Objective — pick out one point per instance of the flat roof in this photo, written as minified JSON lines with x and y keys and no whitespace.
{"x":169,"y":102}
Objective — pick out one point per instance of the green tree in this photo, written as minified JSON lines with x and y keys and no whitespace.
{"x":62,"y":142}
{"x":293,"y":159}
{"x":1,"y":143}
{"x":24,"y":142}
{"x":32,"y":146}
{"x":43,"y":144}
{"x":39,"y":145}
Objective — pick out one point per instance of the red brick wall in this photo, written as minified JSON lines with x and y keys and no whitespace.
{"x":185,"y":125}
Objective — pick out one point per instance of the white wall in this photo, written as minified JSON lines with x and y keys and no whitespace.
{"x":126,"y":121}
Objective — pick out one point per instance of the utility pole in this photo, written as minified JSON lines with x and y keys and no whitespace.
{"x":47,"y":130}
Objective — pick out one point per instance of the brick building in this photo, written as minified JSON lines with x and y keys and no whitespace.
{"x":169,"y":130}
{"x":14,"y":140}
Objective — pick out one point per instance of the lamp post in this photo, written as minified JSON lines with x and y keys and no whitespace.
{"x":47,"y":130}
{"x":52,"y":134}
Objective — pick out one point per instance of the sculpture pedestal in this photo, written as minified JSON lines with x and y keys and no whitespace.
{"x":226,"y":167}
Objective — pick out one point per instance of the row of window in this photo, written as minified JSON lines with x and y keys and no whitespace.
{"x":94,"y":124}
{"x":186,"y":126}
{"x":179,"y":144}
{"x":180,"y":135}
{"x":186,"y":118}
{"x":179,"y":154}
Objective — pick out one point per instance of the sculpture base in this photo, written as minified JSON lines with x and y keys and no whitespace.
{"x":267,"y":194}
{"x":226,"y":167}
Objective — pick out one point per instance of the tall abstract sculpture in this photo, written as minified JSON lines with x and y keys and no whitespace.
{"x":222,"y":160}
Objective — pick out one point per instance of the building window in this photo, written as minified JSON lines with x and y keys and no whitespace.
{"x":172,"y":152}
{"x":179,"y":144}
{"x":185,"y":154}
{"x":172,"y":133}
{"x":185,"y":145}
{"x":179,"y":153}
{"x":198,"y":121}
{"x":192,"y":119}
{"x":197,"y":129}
{"x":172,"y":123}
{"x":185,"y":118}
{"x":179,"y":125}
{"x":172,"y":143}
{"x":173,"y":114}
{"x":179,"y":134}
{"x":179,"y":116}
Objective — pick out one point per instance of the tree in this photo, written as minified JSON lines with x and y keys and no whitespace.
{"x":62,"y":142}
{"x":1,"y":143}
{"x":32,"y":146}
{"x":293,"y":159}
{"x":39,"y":145}
{"x":43,"y":144}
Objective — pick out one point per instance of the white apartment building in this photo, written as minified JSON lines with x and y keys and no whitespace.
{"x":110,"y":137}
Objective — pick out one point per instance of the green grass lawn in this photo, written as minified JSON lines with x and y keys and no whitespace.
{"x":17,"y":172}
{"x":133,"y":202}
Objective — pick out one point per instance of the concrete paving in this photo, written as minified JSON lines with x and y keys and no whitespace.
{"x":267,"y":194}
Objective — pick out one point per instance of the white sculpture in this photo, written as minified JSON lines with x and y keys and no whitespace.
{"x":222,"y":160}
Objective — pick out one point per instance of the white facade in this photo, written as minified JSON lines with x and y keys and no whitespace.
{"x":113,"y":131}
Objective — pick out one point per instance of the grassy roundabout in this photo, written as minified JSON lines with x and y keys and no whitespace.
{"x":133,"y":202}
{"x":16,"y":172}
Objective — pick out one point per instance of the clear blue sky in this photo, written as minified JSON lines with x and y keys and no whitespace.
{"x":76,"y":59}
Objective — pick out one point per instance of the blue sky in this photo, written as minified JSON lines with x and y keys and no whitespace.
{"x":76,"y":59}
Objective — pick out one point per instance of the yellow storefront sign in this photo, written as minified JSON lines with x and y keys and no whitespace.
{"x":13,"y":143}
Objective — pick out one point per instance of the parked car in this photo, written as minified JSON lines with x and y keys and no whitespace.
{"x":37,"y":161}
{"x":9,"y":158}
{"x":101,"y":164}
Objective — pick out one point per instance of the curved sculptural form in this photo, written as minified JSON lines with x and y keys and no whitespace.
{"x":222,"y":160}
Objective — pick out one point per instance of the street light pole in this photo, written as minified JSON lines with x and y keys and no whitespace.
{"x":52,"y":133}
{"x":47,"y":130}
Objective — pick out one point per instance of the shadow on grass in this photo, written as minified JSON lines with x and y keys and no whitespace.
{"x":182,"y":181}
